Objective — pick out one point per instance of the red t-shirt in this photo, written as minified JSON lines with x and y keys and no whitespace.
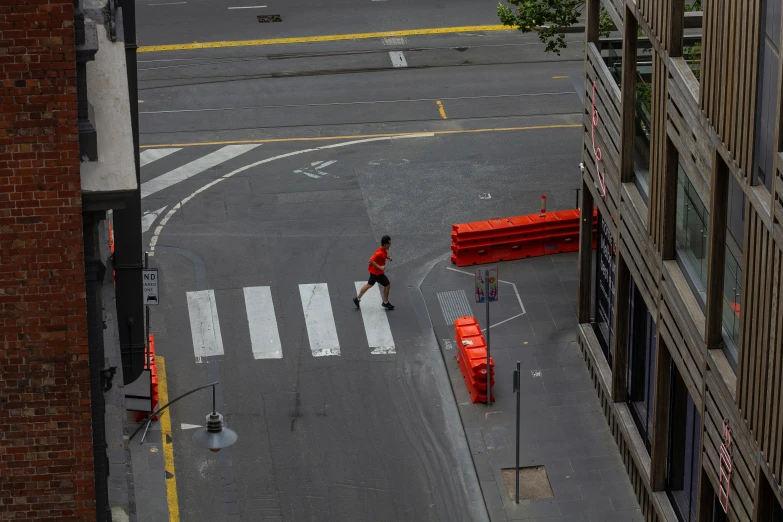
{"x":379,"y":257}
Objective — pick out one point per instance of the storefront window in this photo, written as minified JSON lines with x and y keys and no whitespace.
{"x":717,"y":510}
{"x":641,"y":360}
{"x":682,"y":477}
{"x":692,"y":227}
{"x":604,"y":288}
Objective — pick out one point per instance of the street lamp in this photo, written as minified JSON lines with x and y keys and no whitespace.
{"x":214,"y":436}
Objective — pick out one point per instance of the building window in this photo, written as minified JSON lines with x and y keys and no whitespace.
{"x":643,"y":109}
{"x":766,"y":97}
{"x":605,"y":268}
{"x":641,"y":361}
{"x":732,"y":292}
{"x":682,"y":470}
{"x":611,"y":49}
{"x":692,"y":233}
{"x":777,"y":511}
{"x":691,"y":41}
{"x":732,"y":270}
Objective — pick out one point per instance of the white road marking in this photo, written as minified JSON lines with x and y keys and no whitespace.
{"x":335,"y":104}
{"x":204,"y":324}
{"x":249,"y":7}
{"x":398,"y":59}
{"x":149,"y":218}
{"x":150,"y":155}
{"x":323,"y":165}
{"x":193,"y":168}
{"x":314,"y":171}
{"x":175,"y":208}
{"x":319,"y":319}
{"x":376,"y":322}
{"x":185,"y":426}
{"x":264,"y":336}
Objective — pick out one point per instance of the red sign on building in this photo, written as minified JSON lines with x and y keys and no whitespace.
{"x":726,"y":464}
{"x":596,"y":150}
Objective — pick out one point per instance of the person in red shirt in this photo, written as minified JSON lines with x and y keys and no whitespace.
{"x":377,"y":267}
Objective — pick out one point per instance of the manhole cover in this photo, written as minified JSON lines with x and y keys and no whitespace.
{"x":533,"y":483}
{"x":265,"y":19}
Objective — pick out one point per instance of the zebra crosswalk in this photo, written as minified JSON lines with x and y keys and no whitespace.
{"x":262,"y":321}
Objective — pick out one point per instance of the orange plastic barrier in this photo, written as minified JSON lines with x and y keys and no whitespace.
{"x":504,"y":239}
{"x":150,"y":364}
{"x":472,"y":358}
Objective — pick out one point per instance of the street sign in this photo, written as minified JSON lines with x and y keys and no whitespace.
{"x":150,"y":285}
{"x":481,"y":287}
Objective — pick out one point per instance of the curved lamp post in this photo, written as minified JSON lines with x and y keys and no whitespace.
{"x":214,"y":436}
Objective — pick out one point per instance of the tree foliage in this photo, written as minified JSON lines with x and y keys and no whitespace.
{"x":549,"y":18}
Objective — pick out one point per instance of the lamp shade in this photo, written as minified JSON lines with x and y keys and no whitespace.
{"x":214,"y":437}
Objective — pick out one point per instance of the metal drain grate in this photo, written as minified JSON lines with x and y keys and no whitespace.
{"x":265,"y":19}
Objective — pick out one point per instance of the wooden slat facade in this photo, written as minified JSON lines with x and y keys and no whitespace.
{"x":756,"y":315}
{"x":657,"y":13}
{"x":707,"y":127}
{"x":607,"y":132}
{"x":658,"y":149}
{"x":777,"y":202}
{"x":729,"y":70}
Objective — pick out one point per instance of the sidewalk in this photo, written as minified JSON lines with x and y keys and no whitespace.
{"x":562,"y":427}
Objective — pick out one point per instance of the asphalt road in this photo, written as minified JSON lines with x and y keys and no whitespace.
{"x":180,"y":21}
{"x":359,"y":435}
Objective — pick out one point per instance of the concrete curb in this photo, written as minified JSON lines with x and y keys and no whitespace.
{"x":449,"y":374}
{"x":419,"y":277}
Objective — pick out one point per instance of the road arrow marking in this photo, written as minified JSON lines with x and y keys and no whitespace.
{"x":315,"y":170}
{"x":149,"y":218}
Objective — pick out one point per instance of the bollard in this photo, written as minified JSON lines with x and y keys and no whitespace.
{"x":543,"y":206}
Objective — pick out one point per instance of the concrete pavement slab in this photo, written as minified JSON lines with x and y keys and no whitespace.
{"x":562,"y":426}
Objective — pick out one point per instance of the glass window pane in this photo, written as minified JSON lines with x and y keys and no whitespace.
{"x":643,"y":110}
{"x":692,"y":231}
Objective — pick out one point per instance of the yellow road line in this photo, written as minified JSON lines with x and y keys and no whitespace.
{"x":322,"y":38}
{"x":168,"y":442}
{"x":442,"y":110}
{"x":558,"y":77}
{"x":360,"y":136}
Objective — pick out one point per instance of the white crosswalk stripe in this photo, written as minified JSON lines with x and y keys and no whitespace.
{"x":194,"y":168}
{"x":376,"y":322}
{"x":204,"y":324}
{"x":148,"y":156}
{"x":321,"y":329}
{"x":265,"y":342}
{"x":264,"y":336}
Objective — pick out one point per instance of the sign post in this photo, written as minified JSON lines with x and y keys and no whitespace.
{"x":519,"y":394}
{"x":486,"y":291}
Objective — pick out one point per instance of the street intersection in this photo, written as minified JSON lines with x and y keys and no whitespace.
{"x":269,"y":175}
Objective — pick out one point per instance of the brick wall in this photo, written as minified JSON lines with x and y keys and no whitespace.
{"x":45,"y":428}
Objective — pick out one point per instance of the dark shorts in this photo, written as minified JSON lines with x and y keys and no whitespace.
{"x":382,"y":279}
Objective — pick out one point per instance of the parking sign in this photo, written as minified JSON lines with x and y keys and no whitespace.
{"x":150,"y":284}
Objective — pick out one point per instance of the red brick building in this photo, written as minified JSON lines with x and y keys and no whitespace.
{"x":48,"y":425}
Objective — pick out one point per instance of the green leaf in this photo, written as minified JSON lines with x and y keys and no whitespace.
{"x":547,"y":17}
